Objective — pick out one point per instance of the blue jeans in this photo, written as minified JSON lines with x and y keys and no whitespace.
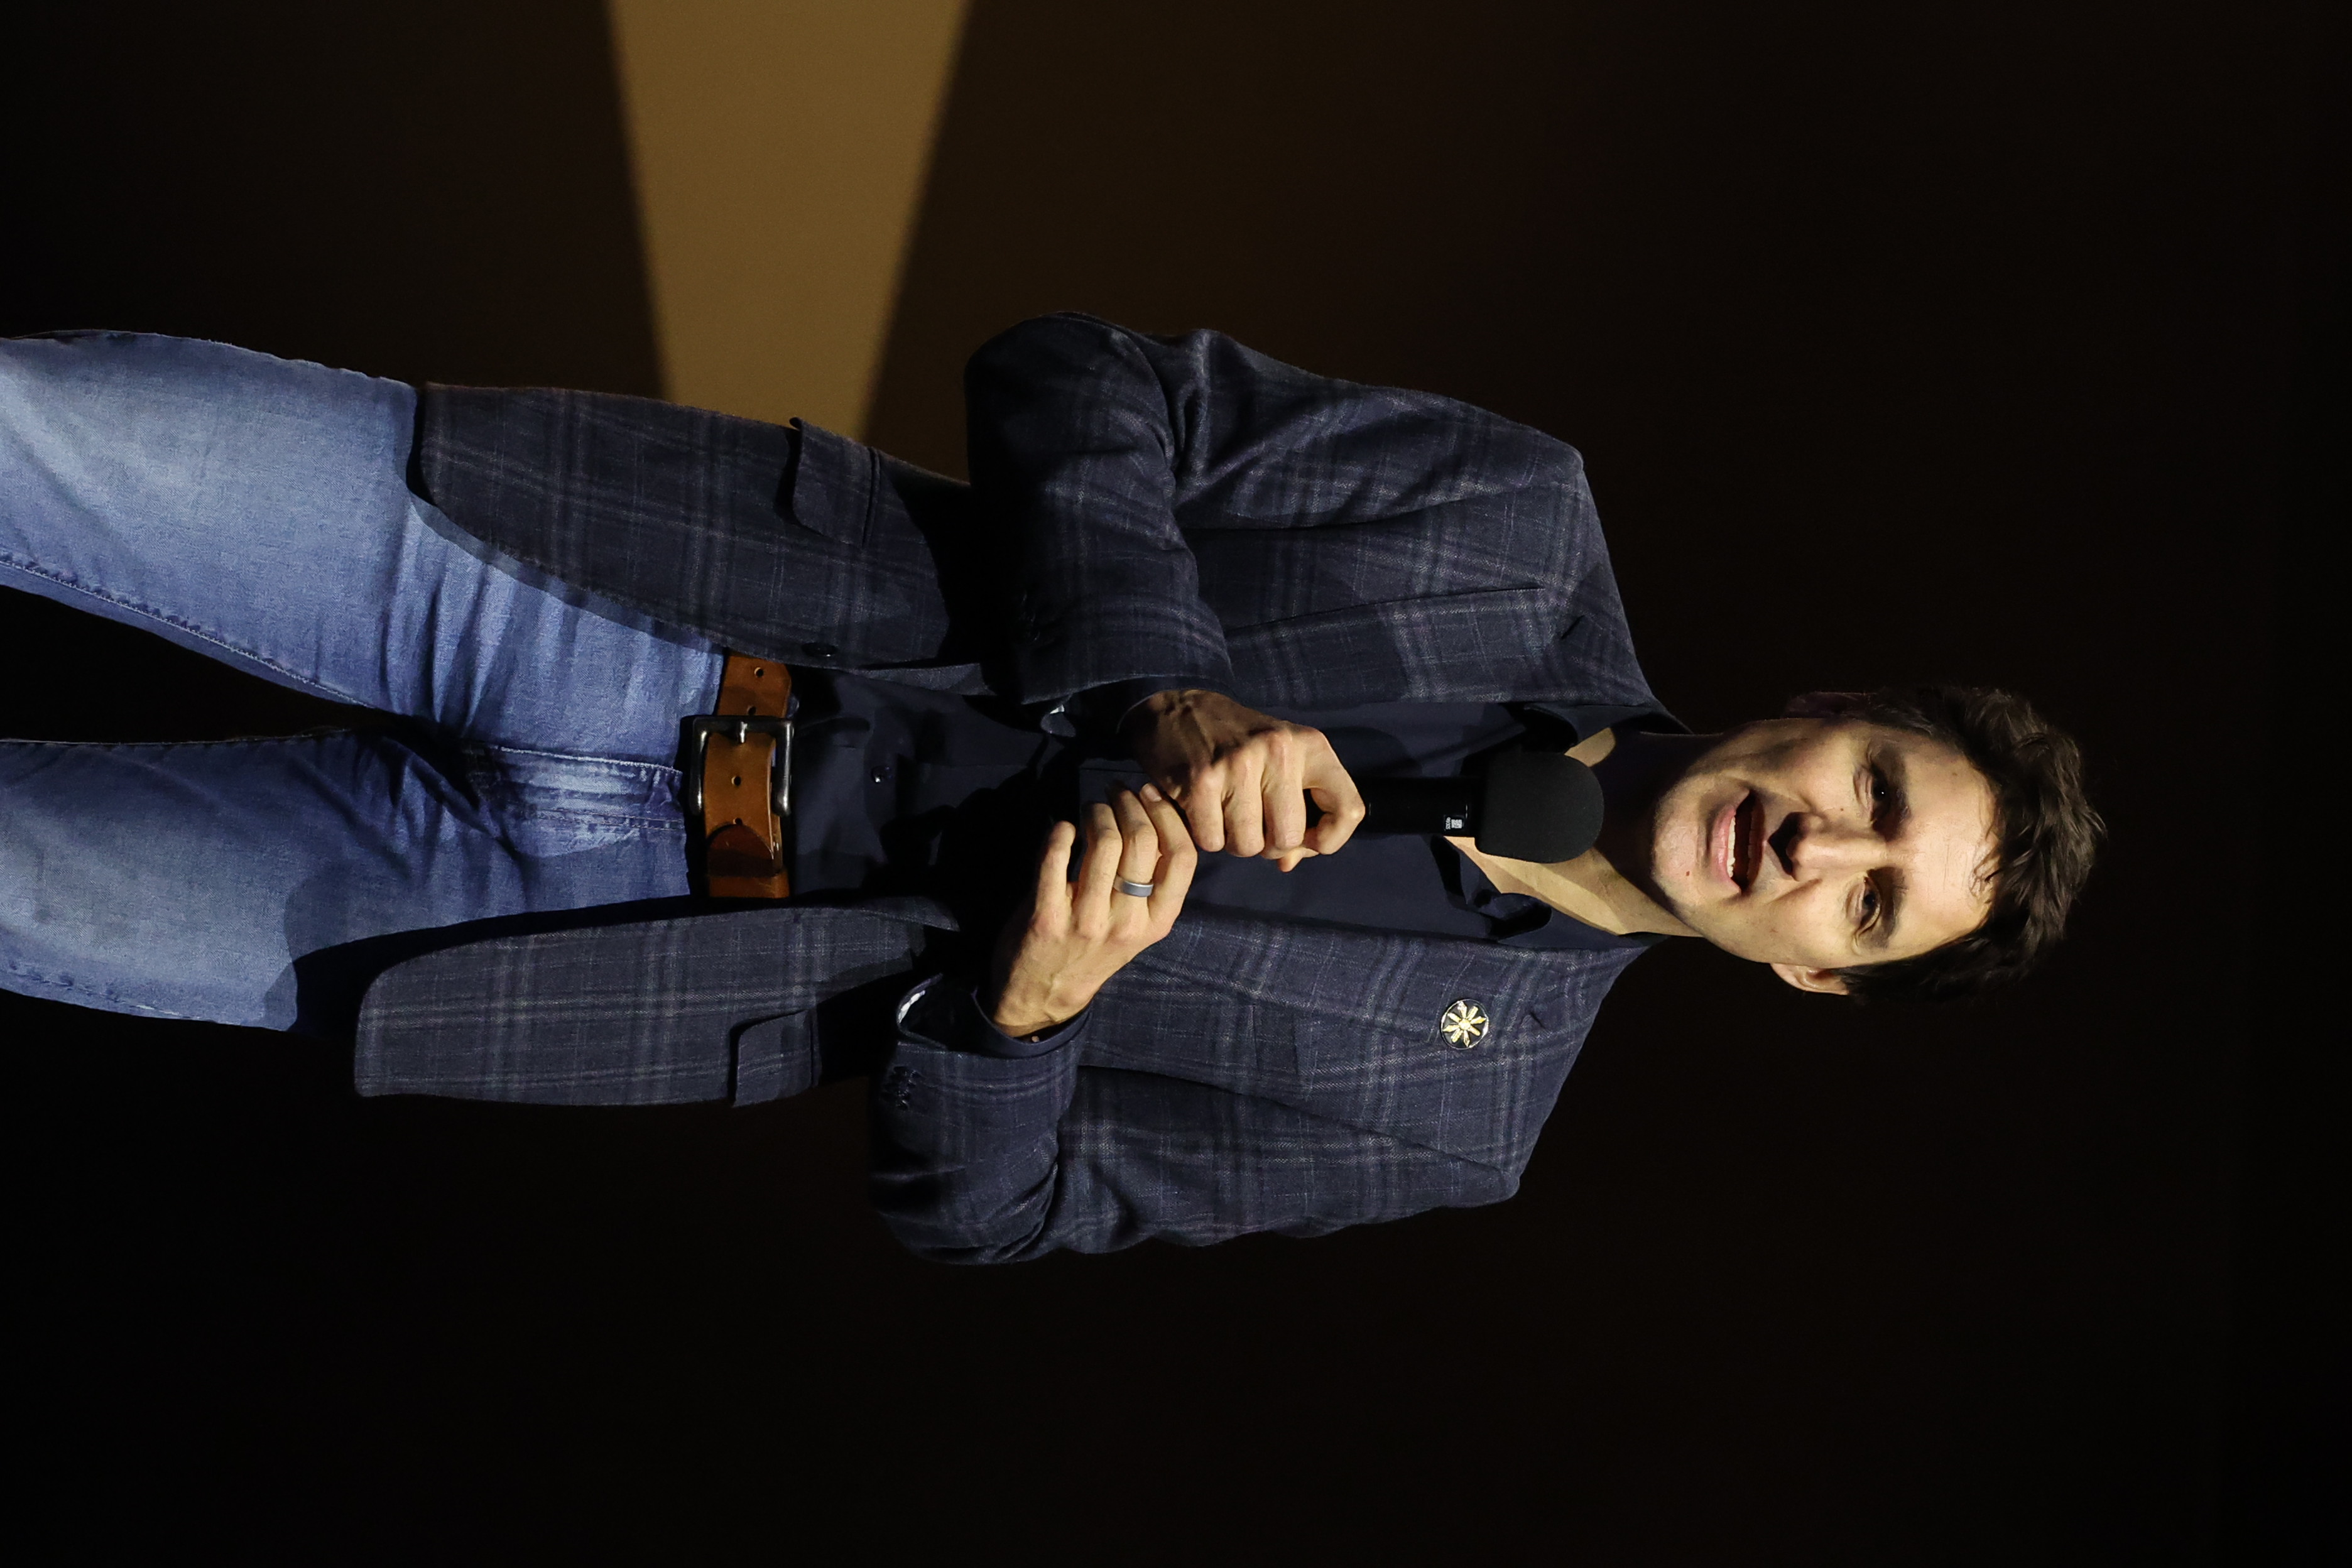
{"x":256,"y":510}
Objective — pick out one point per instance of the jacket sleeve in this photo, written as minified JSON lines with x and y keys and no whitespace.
{"x":1094,"y":449}
{"x":1077,"y":431}
{"x":981,"y":1157}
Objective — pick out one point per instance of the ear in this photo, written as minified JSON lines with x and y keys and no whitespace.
{"x":1823,"y":704}
{"x":1828,"y":982}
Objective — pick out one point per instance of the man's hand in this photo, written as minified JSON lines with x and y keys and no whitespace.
{"x":1074,"y":936}
{"x":1242,"y":777}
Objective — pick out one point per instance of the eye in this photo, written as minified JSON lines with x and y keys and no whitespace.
{"x":1881,"y":790}
{"x":1869,"y":907}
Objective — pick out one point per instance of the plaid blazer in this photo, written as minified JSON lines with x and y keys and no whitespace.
{"x":1140,"y":507}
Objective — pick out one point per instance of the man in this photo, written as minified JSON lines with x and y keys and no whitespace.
{"x":1188,"y":589}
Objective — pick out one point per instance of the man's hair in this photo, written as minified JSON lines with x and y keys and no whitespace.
{"x":2045,"y":836}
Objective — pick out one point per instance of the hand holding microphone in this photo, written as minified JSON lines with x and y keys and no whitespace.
{"x":1250,"y":784}
{"x":1244,"y":779}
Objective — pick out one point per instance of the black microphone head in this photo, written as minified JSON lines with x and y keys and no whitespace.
{"x":1541,"y":805}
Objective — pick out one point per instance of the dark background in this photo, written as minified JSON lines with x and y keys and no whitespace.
{"x":1982,"y":342}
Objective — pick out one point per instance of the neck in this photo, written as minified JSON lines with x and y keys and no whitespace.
{"x":1631,"y":768}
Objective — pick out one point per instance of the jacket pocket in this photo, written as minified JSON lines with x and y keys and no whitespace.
{"x":831,"y":485}
{"x":775,"y":1058}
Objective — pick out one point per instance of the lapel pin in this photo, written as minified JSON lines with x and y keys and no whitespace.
{"x":1463,"y":1024}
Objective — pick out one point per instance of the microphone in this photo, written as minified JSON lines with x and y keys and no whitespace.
{"x":1531,"y":805}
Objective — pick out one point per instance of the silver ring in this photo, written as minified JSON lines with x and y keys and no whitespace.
{"x":1136,"y":889}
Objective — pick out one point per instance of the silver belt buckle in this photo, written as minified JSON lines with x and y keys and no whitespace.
{"x":737,"y":728}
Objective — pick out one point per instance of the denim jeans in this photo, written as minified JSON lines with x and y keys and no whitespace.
{"x":256,"y":509}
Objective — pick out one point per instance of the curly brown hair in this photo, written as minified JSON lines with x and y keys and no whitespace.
{"x":2045,"y":829}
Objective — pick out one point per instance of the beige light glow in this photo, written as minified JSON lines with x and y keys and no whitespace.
{"x":780,"y":149}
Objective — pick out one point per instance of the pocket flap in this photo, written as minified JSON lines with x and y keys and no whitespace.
{"x":830,"y":488}
{"x":775,"y":1058}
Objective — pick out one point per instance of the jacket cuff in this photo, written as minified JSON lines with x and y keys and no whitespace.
{"x":947,"y":1014}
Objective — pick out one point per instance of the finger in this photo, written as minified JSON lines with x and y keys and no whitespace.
{"x":1177,"y":855}
{"x":1244,"y":811}
{"x":1342,"y":803}
{"x":1138,"y":857}
{"x":1285,"y":799}
{"x":1099,"y":869}
{"x":1204,"y":797}
{"x":1288,"y":859}
{"x":1053,"y":891}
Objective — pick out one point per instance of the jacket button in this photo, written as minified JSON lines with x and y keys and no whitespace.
{"x":819,"y":649}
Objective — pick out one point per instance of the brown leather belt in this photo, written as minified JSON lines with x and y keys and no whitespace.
{"x":739,"y":782}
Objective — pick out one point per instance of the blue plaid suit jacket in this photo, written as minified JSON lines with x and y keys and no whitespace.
{"x":1140,"y":507}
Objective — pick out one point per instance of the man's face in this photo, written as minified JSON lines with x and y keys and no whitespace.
{"x":1816,"y":844}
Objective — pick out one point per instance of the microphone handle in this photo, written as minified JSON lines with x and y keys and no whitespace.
{"x":1421,"y":805}
{"x":1543,"y":806}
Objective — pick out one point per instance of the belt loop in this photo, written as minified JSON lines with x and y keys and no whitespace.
{"x":737,"y":767}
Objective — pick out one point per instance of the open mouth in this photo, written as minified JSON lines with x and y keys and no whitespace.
{"x":1747,"y":840}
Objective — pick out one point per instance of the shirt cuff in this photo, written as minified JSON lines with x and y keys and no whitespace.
{"x":1099,"y":714}
{"x":942,"y":1012}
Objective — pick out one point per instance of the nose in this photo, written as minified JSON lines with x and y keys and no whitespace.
{"x":1821,"y":847}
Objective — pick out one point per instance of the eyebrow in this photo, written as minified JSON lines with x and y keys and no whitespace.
{"x":1892,"y":819}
